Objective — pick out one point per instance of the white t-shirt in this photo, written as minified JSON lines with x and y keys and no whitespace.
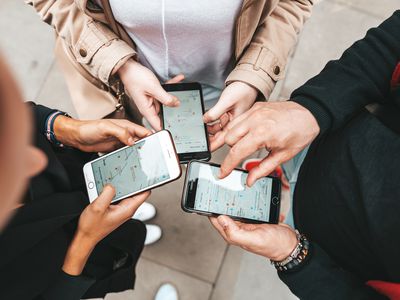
{"x":193,"y":37}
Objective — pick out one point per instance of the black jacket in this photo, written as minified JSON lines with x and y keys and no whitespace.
{"x":34,"y":243}
{"x":347,"y":198}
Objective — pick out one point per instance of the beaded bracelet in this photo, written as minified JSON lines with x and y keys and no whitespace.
{"x":297,"y":256}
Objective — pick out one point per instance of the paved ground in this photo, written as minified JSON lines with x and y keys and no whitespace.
{"x":191,"y":255}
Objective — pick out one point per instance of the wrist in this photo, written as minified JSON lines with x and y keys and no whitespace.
{"x":123,"y":71}
{"x":77,"y":254}
{"x":66,"y":130}
{"x":288,"y":247}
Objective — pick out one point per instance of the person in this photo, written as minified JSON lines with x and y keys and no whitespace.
{"x":346,"y":201}
{"x":53,"y":243}
{"x":236,"y":49}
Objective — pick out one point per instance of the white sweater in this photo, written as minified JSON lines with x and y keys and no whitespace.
{"x":193,"y":37}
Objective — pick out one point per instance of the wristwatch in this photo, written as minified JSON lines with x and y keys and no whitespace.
{"x":297,"y":257}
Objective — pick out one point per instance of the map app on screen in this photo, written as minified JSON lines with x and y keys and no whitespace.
{"x":230,"y":196}
{"x":185,"y":122}
{"x":132,"y":168}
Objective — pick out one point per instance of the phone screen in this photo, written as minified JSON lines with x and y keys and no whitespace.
{"x":229,"y":196}
{"x":185,"y":122}
{"x":132,"y":169}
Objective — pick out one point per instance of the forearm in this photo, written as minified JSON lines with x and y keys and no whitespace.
{"x":93,"y":45}
{"x":77,"y":255}
{"x":361,"y":76}
{"x":321,"y":278}
{"x":264,"y":62}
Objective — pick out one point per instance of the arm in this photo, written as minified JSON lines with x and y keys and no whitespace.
{"x":321,"y":278}
{"x":264,"y":61}
{"x":94,"y":46}
{"x":316,"y":277}
{"x":102,"y":135}
{"x":98,"y":220}
{"x":361,"y":76}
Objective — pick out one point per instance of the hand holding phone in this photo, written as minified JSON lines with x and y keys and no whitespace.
{"x":148,"y":163}
{"x":185,"y":122}
{"x":97,"y":135}
{"x":275,"y":242}
{"x":205,"y":194}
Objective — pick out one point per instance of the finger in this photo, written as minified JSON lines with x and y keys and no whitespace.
{"x":135,"y":130}
{"x":266,"y":167}
{"x":218,"y":227}
{"x":148,"y":111}
{"x":114,"y":130}
{"x":178,"y":78}
{"x":235,"y":134}
{"x":245,"y":147}
{"x":167,"y":99}
{"x":238,"y":120}
{"x":233,"y":232}
{"x":103,"y":201}
{"x":217,"y":141}
{"x":221,"y":107}
{"x":127,"y":207}
{"x":218,"y":126}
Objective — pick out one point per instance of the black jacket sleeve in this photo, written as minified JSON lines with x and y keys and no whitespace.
{"x":67,"y":287}
{"x":40,"y":114}
{"x":360,"y":77}
{"x":322,"y":278}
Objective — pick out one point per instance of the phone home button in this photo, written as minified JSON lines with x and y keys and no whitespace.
{"x":90,"y":185}
{"x":275,"y":200}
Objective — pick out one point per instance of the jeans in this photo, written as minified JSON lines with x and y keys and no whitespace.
{"x":291,"y":170}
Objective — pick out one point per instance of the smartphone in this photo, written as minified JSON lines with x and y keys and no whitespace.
{"x":205,"y":194}
{"x":185,"y":122}
{"x":149,"y":163}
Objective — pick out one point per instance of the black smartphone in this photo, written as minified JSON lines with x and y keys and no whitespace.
{"x":205,"y":194}
{"x":185,"y":122}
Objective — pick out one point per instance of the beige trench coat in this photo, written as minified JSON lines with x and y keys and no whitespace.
{"x":89,"y":49}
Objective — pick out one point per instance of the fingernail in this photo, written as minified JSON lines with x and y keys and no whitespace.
{"x":130,"y":141}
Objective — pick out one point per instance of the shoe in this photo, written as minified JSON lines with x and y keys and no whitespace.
{"x":153,"y":234}
{"x":166,"y":292}
{"x":145,"y":212}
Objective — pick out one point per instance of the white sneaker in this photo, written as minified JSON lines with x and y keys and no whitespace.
{"x":153,"y":234}
{"x":145,"y":212}
{"x":166,"y":292}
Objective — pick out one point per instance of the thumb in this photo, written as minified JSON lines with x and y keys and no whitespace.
{"x":103,"y":201}
{"x":231,"y":229}
{"x":162,"y":96}
{"x":216,"y":111}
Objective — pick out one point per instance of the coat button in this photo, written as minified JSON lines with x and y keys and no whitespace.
{"x":83,"y":52}
{"x":277,"y":70}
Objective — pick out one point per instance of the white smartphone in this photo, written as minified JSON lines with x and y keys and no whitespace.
{"x":148,"y":163}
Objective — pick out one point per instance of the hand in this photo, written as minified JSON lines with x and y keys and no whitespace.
{"x":283,"y":128}
{"x":97,"y":136}
{"x":236,"y":99}
{"x":97,"y":221}
{"x":275,"y":242}
{"x":146,"y":91}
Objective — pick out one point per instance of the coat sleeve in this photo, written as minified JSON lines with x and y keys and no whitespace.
{"x":67,"y":287}
{"x":322,"y":278}
{"x":360,"y":77}
{"x":264,"y":61}
{"x":93,"y":44}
